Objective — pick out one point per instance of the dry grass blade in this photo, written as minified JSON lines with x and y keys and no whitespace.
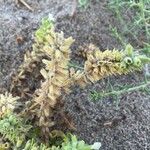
{"x":25,"y":4}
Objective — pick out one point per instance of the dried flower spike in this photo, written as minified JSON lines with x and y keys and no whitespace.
{"x":7,"y":103}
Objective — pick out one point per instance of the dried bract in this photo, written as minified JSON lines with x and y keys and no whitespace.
{"x":7,"y":103}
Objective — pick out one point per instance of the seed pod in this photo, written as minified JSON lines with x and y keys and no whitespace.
{"x":6,"y":145}
{"x":128,"y":60}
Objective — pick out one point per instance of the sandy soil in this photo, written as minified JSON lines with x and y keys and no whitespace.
{"x":131,"y":118}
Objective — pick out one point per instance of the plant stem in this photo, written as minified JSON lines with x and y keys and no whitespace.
{"x":95,"y":95}
{"x":142,"y":8}
{"x":141,"y":86}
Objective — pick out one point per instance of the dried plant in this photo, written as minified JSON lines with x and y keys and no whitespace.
{"x":55,"y":74}
{"x":58,"y":76}
{"x":14,"y":129}
{"x":31,"y":59}
{"x":11,"y":126}
{"x":52,"y":50}
{"x":71,"y":142}
{"x":35,"y":55}
{"x":4,"y":146}
{"x":103,"y":64}
{"x":7,"y":103}
{"x":83,"y":3}
{"x":19,"y":136}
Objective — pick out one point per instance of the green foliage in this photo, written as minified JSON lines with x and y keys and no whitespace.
{"x":117,"y":35}
{"x":137,"y":24}
{"x":71,"y":143}
{"x":47,"y":23}
{"x":133,"y":18}
{"x":129,"y":50}
{"x":133,"y":58}
{"x":7,"y":103}
{"x":55,"y":48}
{"x":4,"y":146}
{"x":118,"y":91}
{"x":14,"y":129}
{"x":146,"y":49}
{"x":33,"y":145}
{"x":83,"y":3}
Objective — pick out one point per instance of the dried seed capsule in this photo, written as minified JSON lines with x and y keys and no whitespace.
{"x":6,"y":145}
{"x":128,"y":60}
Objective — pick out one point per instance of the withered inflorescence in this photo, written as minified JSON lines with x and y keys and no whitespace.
{"x":55,"y":73}
{"x":100,"y":64}
{"x":52,"y":50}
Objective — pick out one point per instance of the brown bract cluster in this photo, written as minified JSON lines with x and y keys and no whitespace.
{"x":56,"y":77}
{"x":7,"y":103}
{"x":99,"y":65}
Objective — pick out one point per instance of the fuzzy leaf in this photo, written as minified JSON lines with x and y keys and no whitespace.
{"x":144,"y":59}
{"x":129,"y":50}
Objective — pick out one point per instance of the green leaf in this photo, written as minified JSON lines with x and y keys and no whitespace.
{"x":144,"y":59}
{"x":129,"y":50}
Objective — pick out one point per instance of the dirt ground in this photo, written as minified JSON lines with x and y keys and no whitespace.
{"x":131,"y":130}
